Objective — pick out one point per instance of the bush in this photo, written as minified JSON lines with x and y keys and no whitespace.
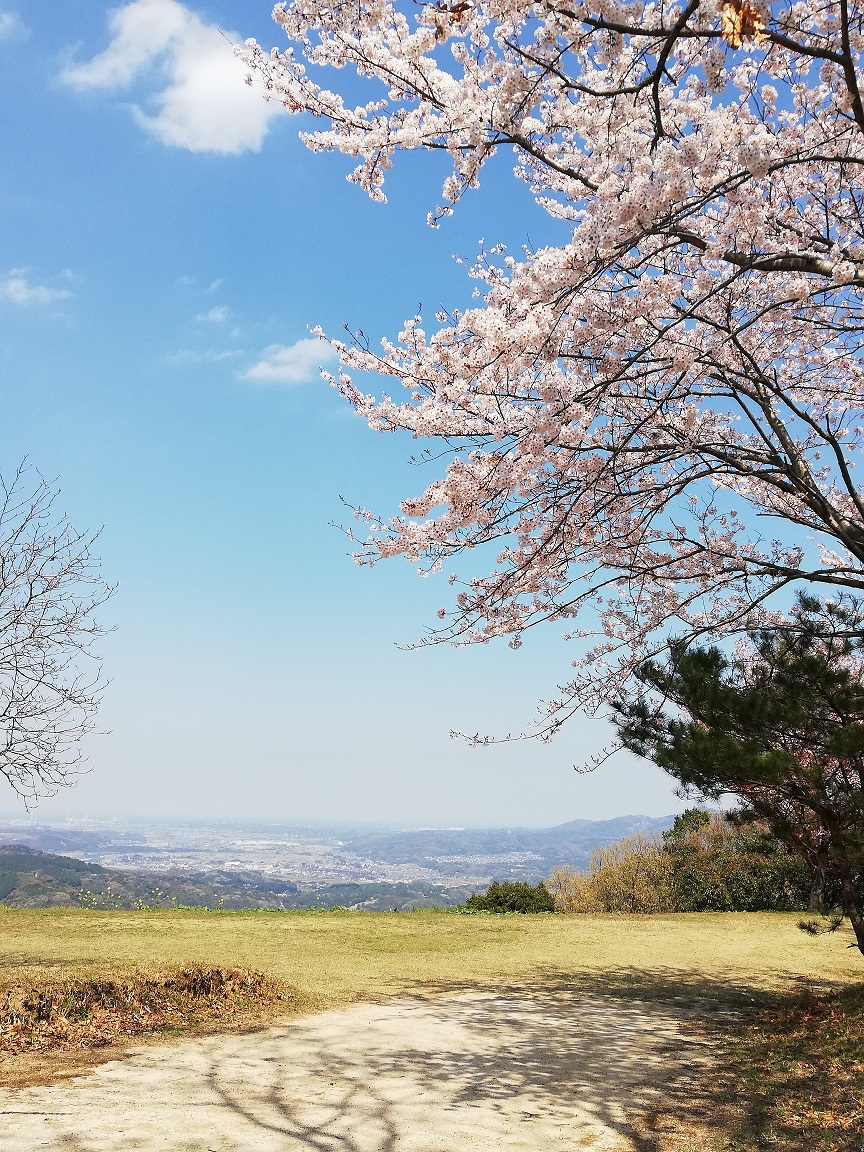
{"x":57,"y":1013}
{"x":719,"y":866}
{"x":511,"y":896}
{"x":632,"y":875}
{"x":705,"y":863}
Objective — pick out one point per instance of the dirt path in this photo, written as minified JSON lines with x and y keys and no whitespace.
{"x":537,"y":1070}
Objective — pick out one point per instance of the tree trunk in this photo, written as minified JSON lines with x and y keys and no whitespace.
{"x":853,"y":907}
{"x":818,"y":882}
{"x":816,"y":903}
{"x":839,"y":861}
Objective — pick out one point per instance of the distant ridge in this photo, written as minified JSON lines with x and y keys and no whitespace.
{"x":546,"y":848}
{"x":637,"y":822}
{"x":279,"y":857}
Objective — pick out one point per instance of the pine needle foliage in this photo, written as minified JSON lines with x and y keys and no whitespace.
{"x":780,"y":726}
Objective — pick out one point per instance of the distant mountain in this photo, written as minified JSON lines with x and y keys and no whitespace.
{"x":512,"y":853}
{"x":280,"y":865}
{"x":33,"y":879}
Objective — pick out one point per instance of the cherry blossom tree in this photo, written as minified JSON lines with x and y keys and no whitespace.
{"x":49,"y":679}
{"x":655,"y":424}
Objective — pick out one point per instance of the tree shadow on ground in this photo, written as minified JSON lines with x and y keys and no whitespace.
{"x":624,"y":1060}
{"x":787,"y":1073}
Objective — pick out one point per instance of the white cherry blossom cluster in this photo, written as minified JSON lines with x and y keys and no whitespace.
{"x":624,"y":415}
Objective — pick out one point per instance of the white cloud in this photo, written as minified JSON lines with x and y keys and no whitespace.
{"x":202,"y":102}
{"x":12,"y":27}
{"x":291,"y":363}
{"x":17,"y":288}
{"x":217,"y":315}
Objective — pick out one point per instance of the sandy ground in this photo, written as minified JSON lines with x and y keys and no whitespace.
{"x":523,"y":1069}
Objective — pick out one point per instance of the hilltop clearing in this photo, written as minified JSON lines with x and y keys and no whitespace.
{"x":427,"y":1031}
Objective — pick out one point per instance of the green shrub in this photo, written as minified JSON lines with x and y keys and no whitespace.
{"x":704,"y":863}
{"x":720,"y":866}
{"x":510,"y":896}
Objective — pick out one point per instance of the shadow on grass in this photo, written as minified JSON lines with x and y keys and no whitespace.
{"x":789,"y":1063}
{"x":797,"y":1070}
{"x":682,"y":988}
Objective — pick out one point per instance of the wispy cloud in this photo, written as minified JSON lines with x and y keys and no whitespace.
{"x":206,"y":355}
{"x":202,"y":101}
{"x":216,"y":315}
{"x":12,"y":27}
{"x":17,"y":288}
{"x":290,"y":363}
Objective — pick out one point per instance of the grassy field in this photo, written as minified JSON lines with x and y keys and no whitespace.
{"x":801,"y":998}
{"x":336,"y":957}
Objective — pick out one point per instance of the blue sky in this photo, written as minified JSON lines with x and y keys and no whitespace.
{"x":166,"y":243}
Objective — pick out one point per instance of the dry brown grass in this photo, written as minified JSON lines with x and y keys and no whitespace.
{"x":62,"y":1013}
{"x":61,"y":1020}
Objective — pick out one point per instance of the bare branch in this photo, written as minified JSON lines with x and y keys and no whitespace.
{"x":50,"y":679}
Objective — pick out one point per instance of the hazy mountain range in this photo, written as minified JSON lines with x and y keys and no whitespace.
{"x":529,"y":852}
{"x":266,"y":866}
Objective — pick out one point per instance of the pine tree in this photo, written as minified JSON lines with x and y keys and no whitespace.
{"x":779,"y":726}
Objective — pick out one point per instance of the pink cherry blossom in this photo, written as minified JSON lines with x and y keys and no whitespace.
{"x":696,"y":344}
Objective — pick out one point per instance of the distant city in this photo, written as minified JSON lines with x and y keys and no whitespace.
{"x":287,"y":866}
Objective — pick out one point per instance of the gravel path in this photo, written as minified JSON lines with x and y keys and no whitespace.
{"x":526,"y":1070}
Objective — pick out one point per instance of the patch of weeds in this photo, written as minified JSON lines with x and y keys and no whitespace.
{"x":53,"y":1014}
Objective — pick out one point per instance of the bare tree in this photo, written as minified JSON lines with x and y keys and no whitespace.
{"x":50,"y":679}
